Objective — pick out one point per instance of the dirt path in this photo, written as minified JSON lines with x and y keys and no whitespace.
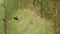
{"x":5,"y":26}
{"x":5,"y":19}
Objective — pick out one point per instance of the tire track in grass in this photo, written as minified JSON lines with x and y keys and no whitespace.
{"x":5,"y":18}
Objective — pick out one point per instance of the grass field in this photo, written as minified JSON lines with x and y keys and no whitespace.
{"x":33,"y":16}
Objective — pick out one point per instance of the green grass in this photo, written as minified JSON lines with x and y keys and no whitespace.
{"x":29,"y":22}
{"x":46,"y":10}
{"x":1,"y":17}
